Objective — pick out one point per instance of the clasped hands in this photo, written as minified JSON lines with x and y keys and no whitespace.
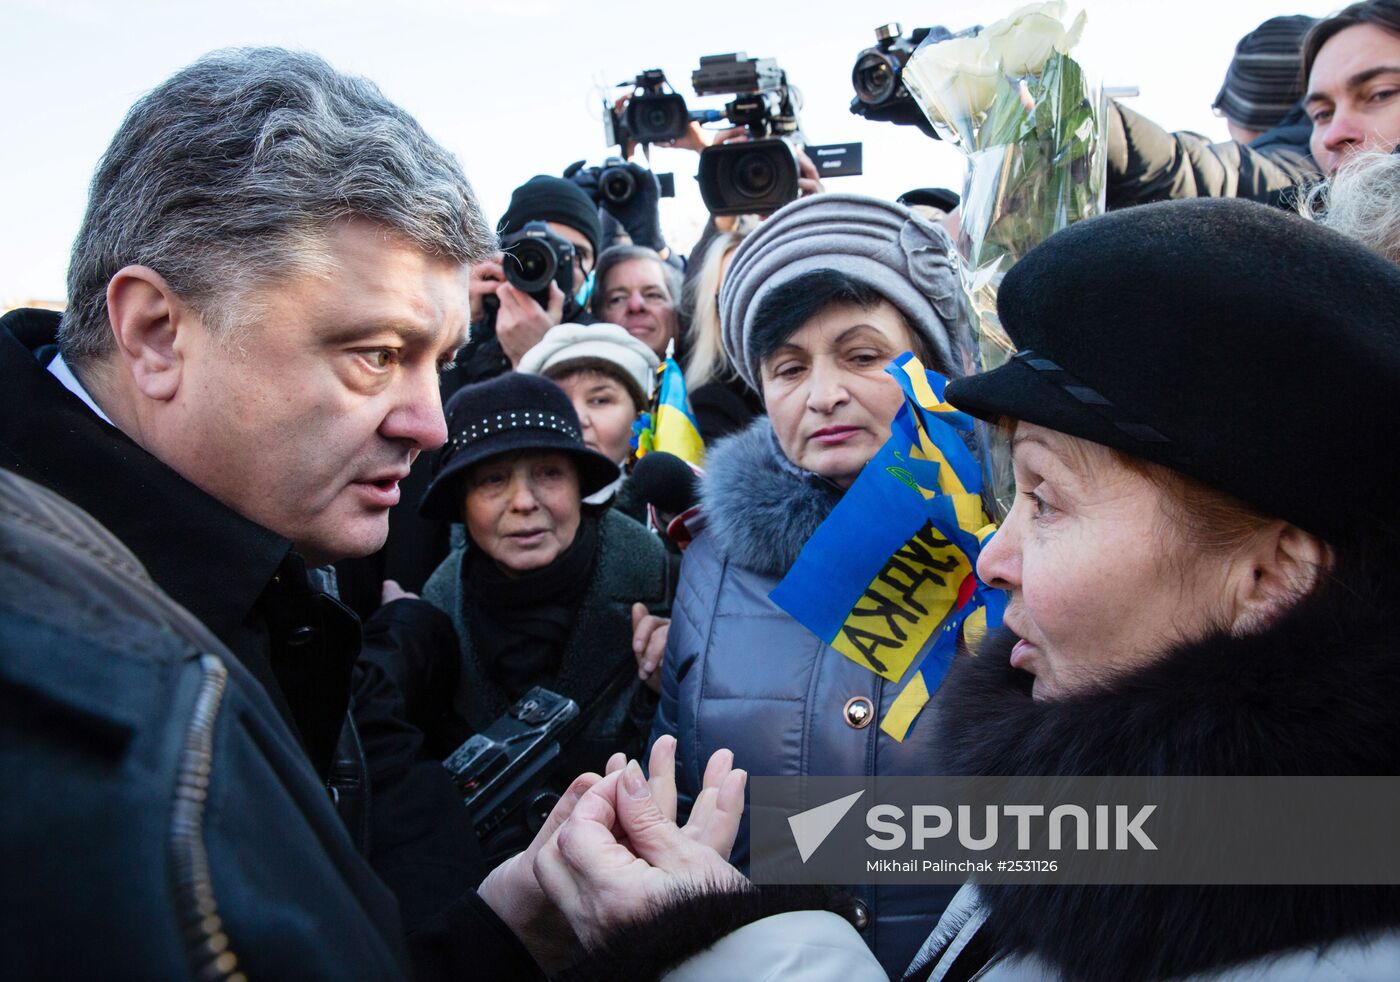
{"x":611,"y":850}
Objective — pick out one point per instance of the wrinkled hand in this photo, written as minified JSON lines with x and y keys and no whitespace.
{"x":649,"y":644}
{"x":808,"y":177}
{"x":521,"y":323}
{"x":515,"y":894}
{"x":485,"y":277}
{"x":619,"y":851}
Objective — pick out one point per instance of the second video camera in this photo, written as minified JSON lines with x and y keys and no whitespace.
{"x":536,"y":257}
{"x":760,"y":175}
{"x":880,"y":93}
{"x":652,"y":114}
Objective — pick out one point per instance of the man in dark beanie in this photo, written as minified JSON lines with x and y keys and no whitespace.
{"x":1263,"y":83}
{"x":507,"y":322}
{"x":1266,"y":158}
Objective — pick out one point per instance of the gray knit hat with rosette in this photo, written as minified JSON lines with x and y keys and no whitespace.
{"x":908,"y":260}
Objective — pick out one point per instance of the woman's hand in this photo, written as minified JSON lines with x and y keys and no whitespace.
{"x":620,"y":851}
{"x":513,"y":892}
{"x":649,"y":644}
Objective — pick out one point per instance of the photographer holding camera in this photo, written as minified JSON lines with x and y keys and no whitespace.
{"x":550,"y":233}
{"x":630,"y":195}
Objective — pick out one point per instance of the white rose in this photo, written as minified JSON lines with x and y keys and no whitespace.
{"x":957,"y":78}
{"x":1023,"y":41}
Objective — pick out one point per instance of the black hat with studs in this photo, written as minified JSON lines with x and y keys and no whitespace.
{"x":509,"y":413}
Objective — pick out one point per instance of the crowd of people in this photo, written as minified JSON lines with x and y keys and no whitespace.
{"x":304,"y":497}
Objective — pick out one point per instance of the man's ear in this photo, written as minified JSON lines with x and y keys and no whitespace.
{"x":146,"y":317}
{"x":1281,"y":568}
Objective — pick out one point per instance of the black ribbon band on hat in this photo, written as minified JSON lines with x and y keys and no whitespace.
{"x":1090,"y":397}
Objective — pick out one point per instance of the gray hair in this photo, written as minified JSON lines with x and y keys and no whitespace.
{"x":614,"y":256}
{"x":1362,"y":201}
{"x":233,"y":171}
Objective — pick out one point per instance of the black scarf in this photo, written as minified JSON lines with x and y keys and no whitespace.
{"x":521,"y":624}
{"x":1314,"y":694}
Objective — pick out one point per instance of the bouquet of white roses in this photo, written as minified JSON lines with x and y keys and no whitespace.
{"x":1031,"y":122}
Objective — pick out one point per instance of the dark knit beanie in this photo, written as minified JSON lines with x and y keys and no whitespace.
{"x":552,"y":199}
{"x":1264,"y":80}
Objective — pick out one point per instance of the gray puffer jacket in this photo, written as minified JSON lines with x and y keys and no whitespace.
{"x":740,"y":673}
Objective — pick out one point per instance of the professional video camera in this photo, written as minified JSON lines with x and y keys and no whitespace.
{"x":760,"y":175}
{"x":535,"y":257}
{"x":502,"y":771}
{"x":652,"y":114}
{"x":880,"y":93}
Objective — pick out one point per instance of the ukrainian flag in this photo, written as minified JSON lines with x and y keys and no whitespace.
{"x":889,"y":578}
{"x":673,"y":428}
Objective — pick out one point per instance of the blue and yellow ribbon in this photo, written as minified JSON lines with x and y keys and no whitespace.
{"x":889,"y":578}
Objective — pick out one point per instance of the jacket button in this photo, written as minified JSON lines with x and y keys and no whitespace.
{"x":860,"y":915}
{"x":299,"y":636}
{"x":859,"y":712}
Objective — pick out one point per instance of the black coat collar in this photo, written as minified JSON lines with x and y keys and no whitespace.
{"x":212,"y":560}
{"x":1315,"y":694}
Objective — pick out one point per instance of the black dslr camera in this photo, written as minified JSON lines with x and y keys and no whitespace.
{"x":501,"y":771}
{"x":880,"y":93}
{"x":536,"y":257}
{"x":652,"y":114}
{"x":617,"y":185}
{"x":761,"y":175}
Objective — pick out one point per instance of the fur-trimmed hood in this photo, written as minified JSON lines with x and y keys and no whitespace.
{"x":759,"y":507}
{"x":1315,"y":694}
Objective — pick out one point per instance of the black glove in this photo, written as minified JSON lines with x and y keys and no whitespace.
{"x":585,"y":177}
{"x":640,"y":215}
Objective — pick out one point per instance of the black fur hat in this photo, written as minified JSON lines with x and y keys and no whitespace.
{"x":1238,"y":344}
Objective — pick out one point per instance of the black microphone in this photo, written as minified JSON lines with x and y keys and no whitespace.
{"x":666,"y":482}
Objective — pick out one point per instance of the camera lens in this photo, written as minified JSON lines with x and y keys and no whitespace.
{"x":533,"y":267}
{"x":617,"y":185}
{"x":874,"y":78}
{"x":754,"y":174}
{"x":657,"y":118}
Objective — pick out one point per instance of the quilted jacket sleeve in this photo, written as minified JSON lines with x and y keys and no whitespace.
{"x":1146,"y":163}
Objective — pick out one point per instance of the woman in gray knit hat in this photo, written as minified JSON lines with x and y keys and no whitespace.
{"x":815,"y":304}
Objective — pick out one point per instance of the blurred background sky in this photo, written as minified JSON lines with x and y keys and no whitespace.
{"x":515,"y":88}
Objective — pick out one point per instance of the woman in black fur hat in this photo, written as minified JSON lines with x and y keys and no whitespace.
{"x":1203,"y":564}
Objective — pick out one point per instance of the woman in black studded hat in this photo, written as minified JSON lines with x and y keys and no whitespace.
{"x":541,"y":588}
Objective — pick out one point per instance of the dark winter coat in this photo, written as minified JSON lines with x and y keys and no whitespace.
{"x":1146,"y":163}
{"x":740,"y":673}
{"x":631,"y":567}
{"x":253,"y":592}
{"x":1314,"y":694}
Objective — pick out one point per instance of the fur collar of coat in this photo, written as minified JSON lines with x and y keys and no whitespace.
{"x":1314,"y":694}
{"x":760,"y":508}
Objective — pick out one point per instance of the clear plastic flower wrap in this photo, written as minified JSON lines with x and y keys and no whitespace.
{"x":1031,"y":122}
